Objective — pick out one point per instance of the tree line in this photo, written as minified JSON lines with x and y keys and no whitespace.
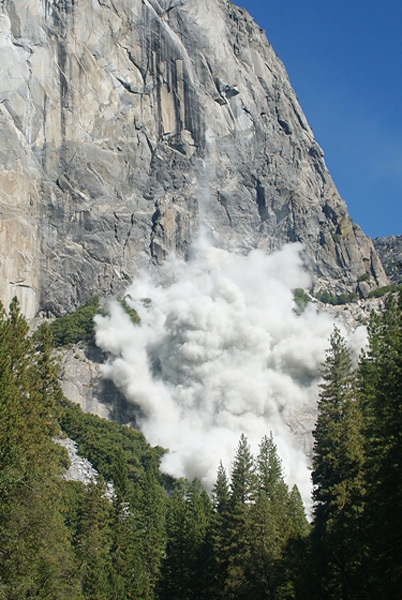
{"x":160,"y":539}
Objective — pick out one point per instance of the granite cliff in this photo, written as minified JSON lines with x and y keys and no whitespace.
{"x":389,"y":250}
{"x":124,"y":124}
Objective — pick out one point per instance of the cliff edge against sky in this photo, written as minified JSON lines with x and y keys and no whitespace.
{"x":126,"y":125}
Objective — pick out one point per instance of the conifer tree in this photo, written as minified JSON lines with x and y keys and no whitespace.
{"x":220,"y":526}
{"x":151,"y":518}
{"x":242,"y":485}
{"x":272,"y":527}
{"x":242,"y":495}
{"x":220,"y":491}
{"x":94,"y":541}
{"x":37,"y":559}
{"x":186,"y":567}
{"x":300,"y":525}
{"x":11,"y":417}
{"x":381,"y":393}
{"x":200,"y":561}
{"x":269,"y":466}
{"x":337,"y":477}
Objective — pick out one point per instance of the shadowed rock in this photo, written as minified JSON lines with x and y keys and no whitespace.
{"x":125,"y":125}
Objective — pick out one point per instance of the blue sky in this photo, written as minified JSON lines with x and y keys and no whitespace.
{"x":344,"y":60}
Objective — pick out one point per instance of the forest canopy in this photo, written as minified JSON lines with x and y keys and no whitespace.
{"x":157,"y":539}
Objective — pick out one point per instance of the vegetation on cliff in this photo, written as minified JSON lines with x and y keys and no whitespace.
{"x":158,"y":539}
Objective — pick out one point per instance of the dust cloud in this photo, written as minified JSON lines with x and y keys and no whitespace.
{"x":220,"y":351}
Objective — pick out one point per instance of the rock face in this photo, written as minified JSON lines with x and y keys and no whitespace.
{"x":81,"y":382}
{"x":390,"y":251}
{"x":126,"y":125}
{"x":80,"y":469}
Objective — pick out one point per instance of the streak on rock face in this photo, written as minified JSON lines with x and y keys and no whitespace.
{"x":125,"y":124}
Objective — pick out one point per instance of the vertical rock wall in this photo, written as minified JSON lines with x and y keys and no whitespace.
{"x":125,"y":123}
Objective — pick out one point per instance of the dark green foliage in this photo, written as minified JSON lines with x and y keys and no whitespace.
{"x":59,"y":539}
{"x":104,"y":442}
{"x":152,"y":528}
{"x":220,"y":492}
{"x":256,"y":527}
{"x":122,"y":455}
{"x":77,"y":326}
{"x":186,"y":568}
{"x":132,"y":313}
{"x":337,"y":299}
{"x":93,"y":541}
{"x":357,"y":533}
{"x":299,"y":524}
{"x":301,"y":299}
{"x":382,"y":291}
{"x":243,"y":479}
{"x":364,"y":277}
{"x":37,"y":559}
{"x":337,"y":475}
{"x":278,"y":521}
{"x":237,"y":542}
{"x":380,"y":386}
{"x":62,"y":539}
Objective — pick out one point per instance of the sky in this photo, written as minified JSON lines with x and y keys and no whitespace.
{"x":344,"y":60}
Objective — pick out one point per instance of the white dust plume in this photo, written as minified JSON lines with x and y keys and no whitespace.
{"x":219,"y":351}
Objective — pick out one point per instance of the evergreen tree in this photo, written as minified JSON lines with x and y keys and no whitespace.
{"x":94,"y":542}
{"x":297,"y":555}
{"x":11,"y":417}
{"x":337,"y":477}
{"x":220,"y":531}
{"x":220,"y":491}
{"x":200,"y":508}
{"x":272,"y":526}
{"x":188,"y":550}
{"x":242,"y":486}
{"x":381,"y":392}
{"x":151,"y":516}
{"x":37,"y":559}
{"x":237,"y":551}
{"x":299,"y":523}
{"x":175,"y":573}
{"x":269,"y":468}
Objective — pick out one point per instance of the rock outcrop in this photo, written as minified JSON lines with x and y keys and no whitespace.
{"x":389,"y":250}
{"x":125,"y":125}
{"x":81,"y":382}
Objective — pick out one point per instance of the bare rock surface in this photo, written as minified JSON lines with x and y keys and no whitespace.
{"x":80,"y":469}
{"x":82,"y":382}
{"x":125,"y":125}
{"x":390,"y":251}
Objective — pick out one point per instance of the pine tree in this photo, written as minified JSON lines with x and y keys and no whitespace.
{"x":11,"y":417}
{"x":299,"y":523}
{"x":37,"y":559}
{"x":94,"y":542}
{"x":188,"y":552}
{"x":237,"y":551}
{"x":270,"y":472}
{"x":296,"y":558}
{"x":151,"y":517}
{"x":220,"y":492}
{"x":337,"y":477}
{"x":220,"y":526}
{"x":242,"y":486}
{"x":381,"y":392}
{"x":272,"y":527}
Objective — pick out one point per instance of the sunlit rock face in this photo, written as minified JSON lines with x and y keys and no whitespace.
{"x":127,"y":125}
